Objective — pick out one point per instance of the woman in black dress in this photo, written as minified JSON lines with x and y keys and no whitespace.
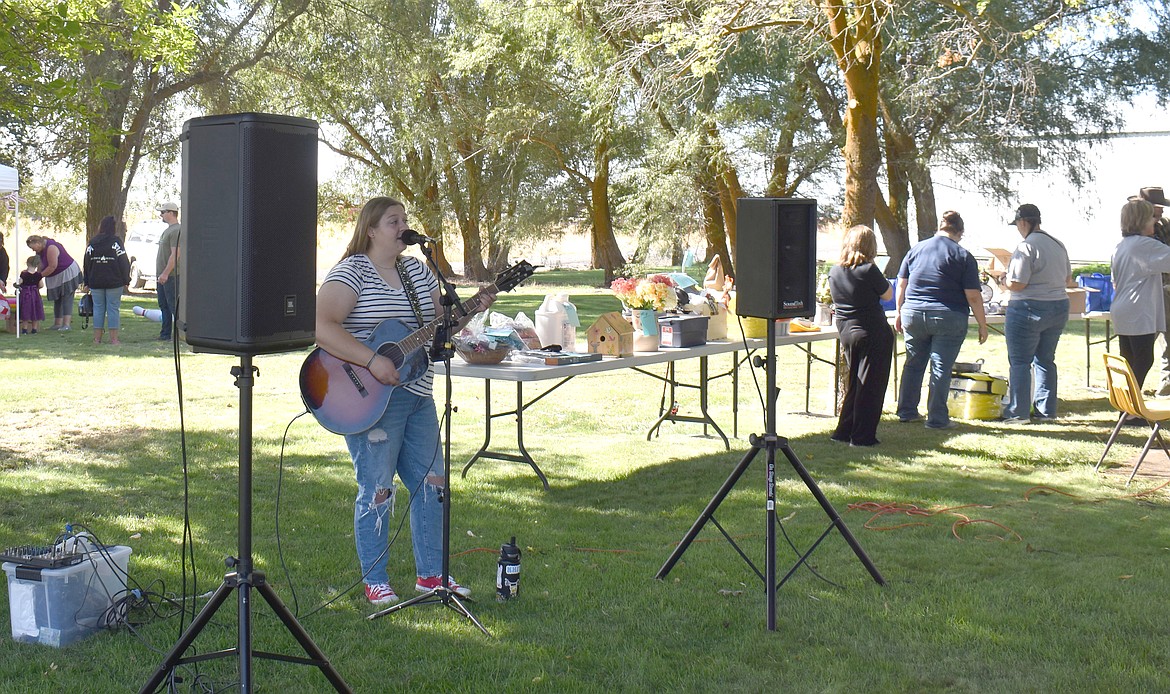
{"x":858,"y":288}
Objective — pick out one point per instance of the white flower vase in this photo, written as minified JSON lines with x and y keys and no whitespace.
{"x":646,"y":336}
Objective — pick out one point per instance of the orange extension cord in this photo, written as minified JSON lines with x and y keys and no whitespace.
{"x":880,"y":510}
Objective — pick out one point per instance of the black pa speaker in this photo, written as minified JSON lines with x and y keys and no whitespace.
{"x":248,"y":248}
{"x":775,"y":257}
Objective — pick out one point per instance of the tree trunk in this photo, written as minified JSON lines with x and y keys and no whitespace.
{"x":713,"y":227}
{"x":897,"y":242}
{"x":467,"y":208}
{"x":892,"y":214}
{"x":103,"y":190}
{"x":856,"y":42}
{"x":602,"y":242}
{"x":778,"y":184}
{"x":730,"y":191}
{"x":925,"y":207}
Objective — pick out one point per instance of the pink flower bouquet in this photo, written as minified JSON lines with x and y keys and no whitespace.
{"x":653,"y":293}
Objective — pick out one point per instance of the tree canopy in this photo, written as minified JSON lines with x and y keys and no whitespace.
{"x":497,"y":119}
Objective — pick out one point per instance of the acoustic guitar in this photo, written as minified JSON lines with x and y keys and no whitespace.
{"x":347,"y":399}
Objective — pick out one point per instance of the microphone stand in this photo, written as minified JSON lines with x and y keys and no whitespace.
{"x":441,"y":350}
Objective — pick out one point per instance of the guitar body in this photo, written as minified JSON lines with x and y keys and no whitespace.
{"x":346,"y":398}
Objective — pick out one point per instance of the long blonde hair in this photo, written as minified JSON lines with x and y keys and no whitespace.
{"x":859,"y":246}
{"x":368,"y":218}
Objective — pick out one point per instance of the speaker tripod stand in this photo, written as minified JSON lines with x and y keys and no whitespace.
{"x":771,"y":442}
{"x":242,"y":580}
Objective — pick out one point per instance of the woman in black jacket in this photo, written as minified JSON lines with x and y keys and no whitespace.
{"x":858,"y":288}
{"x":107,"y":273}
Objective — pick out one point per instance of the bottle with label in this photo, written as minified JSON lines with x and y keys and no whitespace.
{"x":569,"y":327}
{"x":550,"y":321}
{"x":508,"y":571}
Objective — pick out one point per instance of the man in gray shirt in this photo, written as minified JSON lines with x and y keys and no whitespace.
{"x":167,"y":268}
{"x":1037,"y":276}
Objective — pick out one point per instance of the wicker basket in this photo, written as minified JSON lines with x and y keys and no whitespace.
{"x":491,"y":356}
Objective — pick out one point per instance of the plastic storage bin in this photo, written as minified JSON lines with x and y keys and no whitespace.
{"x":56,"y":607}
{"x":1102,"y":298}
{"x":683,"y":331}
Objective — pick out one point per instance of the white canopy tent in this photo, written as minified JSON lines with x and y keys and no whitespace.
{"x":10,"y":184}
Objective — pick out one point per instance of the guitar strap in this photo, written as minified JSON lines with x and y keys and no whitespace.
{"x":408,"y":286}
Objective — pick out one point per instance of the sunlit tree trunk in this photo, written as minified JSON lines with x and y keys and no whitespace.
{"x":854,"y":35}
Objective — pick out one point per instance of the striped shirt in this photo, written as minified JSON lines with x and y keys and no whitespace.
{"x":378,"y":301}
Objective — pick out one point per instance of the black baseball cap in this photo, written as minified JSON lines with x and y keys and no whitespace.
{"x":1026,"y":211}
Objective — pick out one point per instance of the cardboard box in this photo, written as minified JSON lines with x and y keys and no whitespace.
{"x":1077,"y":300}
{"x":1000,"y":257}
{"x":56,"y":607}
{"x":682,"y":331}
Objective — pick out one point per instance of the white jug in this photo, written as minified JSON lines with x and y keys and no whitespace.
{"x":550,"y":321}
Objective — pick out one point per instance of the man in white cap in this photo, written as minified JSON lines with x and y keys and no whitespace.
{"x":167,"y":268}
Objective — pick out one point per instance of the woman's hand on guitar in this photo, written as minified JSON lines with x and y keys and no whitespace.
{"x":486,"y":297}
{"x":384,"y":370}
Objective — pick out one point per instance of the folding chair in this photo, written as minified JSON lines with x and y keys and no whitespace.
{"x":1125,"y":395}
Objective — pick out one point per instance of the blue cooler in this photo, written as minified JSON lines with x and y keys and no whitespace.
{"x":1102,"y":297}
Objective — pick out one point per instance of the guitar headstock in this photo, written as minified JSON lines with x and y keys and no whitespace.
{"x":509,"y":279}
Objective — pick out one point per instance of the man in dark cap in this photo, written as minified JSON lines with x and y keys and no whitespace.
{"x":1037,"y":276}
{"x":1157,"y":198}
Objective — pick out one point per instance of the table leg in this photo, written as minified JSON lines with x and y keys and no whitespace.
{"x":520,"y":435}
{"x":523,"y":456}
{"x":808,"y":360}
{"x":837,"y":376}
{"x":671,"y":413}
{"x":735,"y":394}
{"x":1088,"y":354}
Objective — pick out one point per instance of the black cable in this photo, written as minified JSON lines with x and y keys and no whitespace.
{"x":279,"y":486}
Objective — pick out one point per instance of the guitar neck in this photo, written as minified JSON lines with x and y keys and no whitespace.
{"x":419,"y":337}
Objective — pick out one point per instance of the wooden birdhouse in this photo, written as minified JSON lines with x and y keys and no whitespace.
{"x":612,"y":335}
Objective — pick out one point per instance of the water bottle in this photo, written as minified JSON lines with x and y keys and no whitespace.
{"x":508,"y":571}
{"x":569,"y":326}
{"x":550,"y":319}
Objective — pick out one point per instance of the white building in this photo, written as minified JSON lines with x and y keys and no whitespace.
{"x":1085,"y":219}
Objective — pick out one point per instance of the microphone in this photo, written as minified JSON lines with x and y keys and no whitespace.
{"x":411,"y":236}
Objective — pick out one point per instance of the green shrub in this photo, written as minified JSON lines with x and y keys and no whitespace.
{"x":1089,"y":269}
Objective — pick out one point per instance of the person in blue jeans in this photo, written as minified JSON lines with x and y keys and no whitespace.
{"x":938,"y":282}
{"x":374,"y":282}
{"x":107,"y":272}
{"x":1037,"y":276}
{"x":167,"y":268}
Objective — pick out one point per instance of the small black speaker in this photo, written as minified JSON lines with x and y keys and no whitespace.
{"x":776,"y":257}
{"x":248,"y":249}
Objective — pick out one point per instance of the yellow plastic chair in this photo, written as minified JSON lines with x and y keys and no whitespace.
{"x":1125,"y":395}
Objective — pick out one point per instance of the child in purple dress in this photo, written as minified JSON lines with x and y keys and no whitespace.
{"x":32,"y":310}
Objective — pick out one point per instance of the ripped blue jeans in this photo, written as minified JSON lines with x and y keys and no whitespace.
{"x":404,"y":441}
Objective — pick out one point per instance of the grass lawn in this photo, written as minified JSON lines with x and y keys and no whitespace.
{"x":1028,"y":572}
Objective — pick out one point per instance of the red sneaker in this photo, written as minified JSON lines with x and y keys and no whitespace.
{"x":381,"y":594}
{"x":430,"y":583}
